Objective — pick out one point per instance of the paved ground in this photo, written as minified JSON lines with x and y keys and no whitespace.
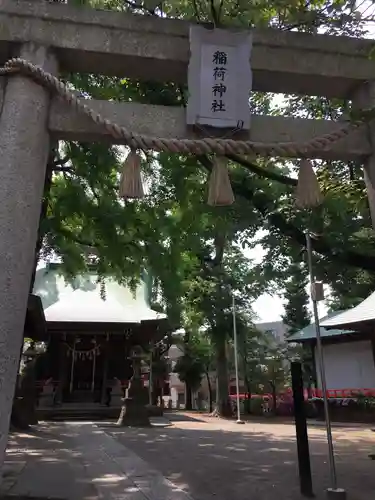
{"x":214,"y":459}
{"x":79,"y":461}
{"x":197,"y":458}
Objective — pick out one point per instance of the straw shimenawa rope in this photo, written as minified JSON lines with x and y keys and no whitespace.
{"x":193,"y":146}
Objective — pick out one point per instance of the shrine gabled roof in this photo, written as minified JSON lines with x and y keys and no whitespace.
{"x":309,"y":332}
{"x":354,"y":319}
{"x":82,"y":301}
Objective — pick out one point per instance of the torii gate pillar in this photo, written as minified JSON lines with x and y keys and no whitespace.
{"x":24,"y":147}
{"x":364,"y":98}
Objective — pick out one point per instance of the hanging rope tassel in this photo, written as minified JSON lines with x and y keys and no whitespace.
{"x":308,"y":192}
{"x":220,"y":190}
{"x":131,"y":181}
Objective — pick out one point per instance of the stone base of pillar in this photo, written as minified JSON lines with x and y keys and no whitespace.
{"x":337,"y":493}
{"x":134,"y":411}
{"x":154,"y":411}
{"x":133,"y":414}
{"x":23,"y":414}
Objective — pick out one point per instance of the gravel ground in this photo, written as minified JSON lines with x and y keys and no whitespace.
{"x":217,"y":459}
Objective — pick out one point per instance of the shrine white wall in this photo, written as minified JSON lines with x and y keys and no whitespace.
{"x":348,"y":365}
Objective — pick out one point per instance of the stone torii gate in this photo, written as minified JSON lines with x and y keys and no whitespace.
{"x":63,"y":38}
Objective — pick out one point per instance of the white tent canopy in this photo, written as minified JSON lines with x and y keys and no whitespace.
{"x":365,"y":311}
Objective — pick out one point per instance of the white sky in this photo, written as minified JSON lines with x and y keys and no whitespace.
{"x":267,"y":307}
{"x":271,"y":307}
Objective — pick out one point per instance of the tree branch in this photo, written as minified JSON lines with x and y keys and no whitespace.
{"x":196,"y":11}
{"x":70,"y":170}
{"x":80,"y":241}
{"x":322,"y":247}
{"x":134,"y":6}
{"x":219,"y":250}
{"x":60,"y":162}
{"x":94,"y":192}
{"x":213,"y":13}
{"x":220,"y":10}
{"x":253,"y":167}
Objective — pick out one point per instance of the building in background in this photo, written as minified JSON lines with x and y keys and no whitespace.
{"x":276,"y":330}
{"x":348,"y":349}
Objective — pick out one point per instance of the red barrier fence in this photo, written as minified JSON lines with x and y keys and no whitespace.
{"x":316,"y":393}
{"x":343,"y":393}
{"x":313,"y":393}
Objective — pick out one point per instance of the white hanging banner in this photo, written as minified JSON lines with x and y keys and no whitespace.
{"x":83,"y":354}
{"x":219,"y":78}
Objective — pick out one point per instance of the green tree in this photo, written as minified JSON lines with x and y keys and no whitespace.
{"x":275,"y":370}
{"x":192,"y":365}
{"x":263,"y":362}
{"x":209,"y":294}
{"x":208,"y":359}
{"x":249,"y":351}
{"x":297,"y":315}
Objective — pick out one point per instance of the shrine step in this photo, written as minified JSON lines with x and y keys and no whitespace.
{"x":84,"y":396}
{"x":78,"y":412}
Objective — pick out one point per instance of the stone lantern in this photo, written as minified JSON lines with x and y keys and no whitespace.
{"x":134,"y":411}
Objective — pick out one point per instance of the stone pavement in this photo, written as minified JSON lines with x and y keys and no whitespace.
{"x":197,"y":457}
{"x":214,"y":459}
{"x":79,"y":461}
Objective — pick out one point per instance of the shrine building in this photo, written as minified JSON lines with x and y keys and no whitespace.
{"x":348,"y":344}
{"x":91,"y":328}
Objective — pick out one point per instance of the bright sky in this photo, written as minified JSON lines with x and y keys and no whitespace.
{"x":267,"y":307}
{"x":271,"y":307}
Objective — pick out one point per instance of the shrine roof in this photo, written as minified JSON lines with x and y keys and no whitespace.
{"x":82,"y":301}
{"x":309,"y":332}
{"x":358,"y":318}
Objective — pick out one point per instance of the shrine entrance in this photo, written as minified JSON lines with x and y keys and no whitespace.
{"x":85,"y":375}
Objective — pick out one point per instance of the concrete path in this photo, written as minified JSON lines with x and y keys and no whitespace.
{"x":203,"y":458}
{"x":214,"y":459}
{"x":79,"y":461}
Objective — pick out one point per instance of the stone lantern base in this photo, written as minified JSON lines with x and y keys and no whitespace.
{"x":134,"y":411}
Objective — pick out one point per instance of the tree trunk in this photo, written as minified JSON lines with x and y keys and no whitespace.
{"x":209,"y":385}
{"x":274,"y":398}
{"x":154,"y":396}
{"x":189,"y":397}
{"x":223,"y":406}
